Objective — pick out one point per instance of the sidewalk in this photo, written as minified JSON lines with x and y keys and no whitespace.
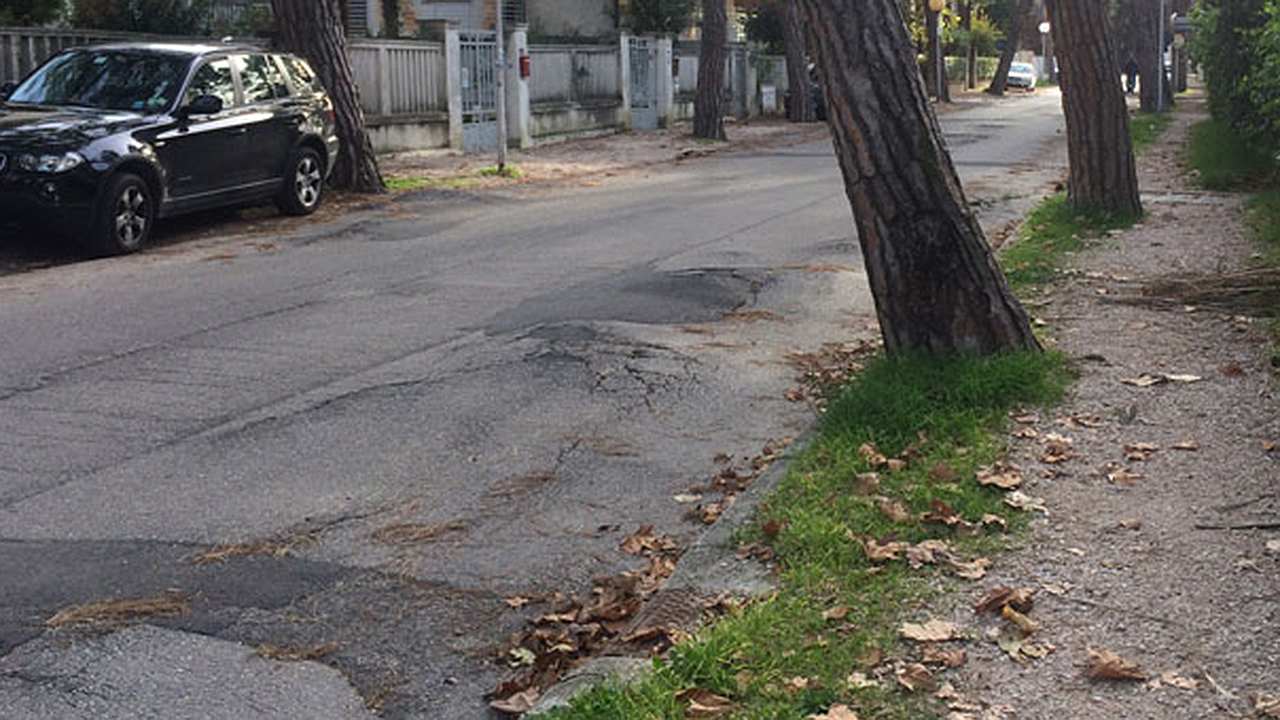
{"x":1160,"y":543}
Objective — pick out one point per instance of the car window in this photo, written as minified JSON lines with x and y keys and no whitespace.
{"x":213,"y":78}
{"x":261,"y":79}
{"x":107,"y":79}
{"x":301,"y":73}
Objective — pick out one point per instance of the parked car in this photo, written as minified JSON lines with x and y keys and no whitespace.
{"x":1022,"y":75}
{"x":100,"y":141}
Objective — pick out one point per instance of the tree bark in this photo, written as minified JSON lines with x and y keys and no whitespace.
{"x":708,"y":107}
{"x":936,"y":284}
{"x":1011,"y":37}
{"x":314,"y":30}
{"x":971,"y":53}
{"x":1146,"y":15}
{"x":799,"y":98}
{"x":1099,"y":151}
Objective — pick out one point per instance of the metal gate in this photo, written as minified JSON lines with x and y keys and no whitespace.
{"x":644,"y":85}
{"x":479,"y":92}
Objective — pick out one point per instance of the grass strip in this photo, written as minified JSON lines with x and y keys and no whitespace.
{"x":1050,"y":233}
{"x":1145,"y":128}
{"x":1222,"y":160}
{"x":836,"y":613}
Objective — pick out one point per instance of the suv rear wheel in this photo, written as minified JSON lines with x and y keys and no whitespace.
{"x":125,"y":217}
{"x":303,"y":183}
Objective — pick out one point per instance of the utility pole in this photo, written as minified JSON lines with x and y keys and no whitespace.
{"x":501,"y":89}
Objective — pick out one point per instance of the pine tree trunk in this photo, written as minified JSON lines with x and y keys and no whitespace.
{"x":936,"y":284}
{"x":1011,"y":37}
{"x":1100,"y":154}
{"x":936,"y":62}
{"x":1146,"y":15}
{"x":314,"y":30}
{"x":799,"y":98}
{"x":708,"y":107}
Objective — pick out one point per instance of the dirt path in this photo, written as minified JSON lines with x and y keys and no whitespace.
{"x":1137,"y":554}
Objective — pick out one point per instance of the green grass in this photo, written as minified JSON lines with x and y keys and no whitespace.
{"x":1050,"y":232}
{"x":410,"y":183}
{"x":1146,"y":128}
{"x":1264,"y":218}
{"x":1223,"y":160}
{"x":510,"y":171}
{"x":750,"y":655}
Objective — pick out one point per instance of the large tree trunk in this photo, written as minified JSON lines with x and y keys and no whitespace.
{"x":936,"y":284}
{"x":799,"y":99}
{"x":1011,"y":36}
{"x":1099,"y":151}
{"x":314,"y":30}
{"x":708,"y":107}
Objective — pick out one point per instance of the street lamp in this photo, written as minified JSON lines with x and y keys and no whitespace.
{"x":1044,"y":49}
{"x":940,"y":71}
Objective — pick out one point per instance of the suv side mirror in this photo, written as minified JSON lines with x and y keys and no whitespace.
{"x":202,"y":105}
{"x":7,"y":89}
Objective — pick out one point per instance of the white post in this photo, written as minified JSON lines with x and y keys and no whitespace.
{"x":519,"y":118}
{"x":453,"y":84}
{"x":624,"y":81}
{"x":666,"y":83}
{"x":501,"y":73}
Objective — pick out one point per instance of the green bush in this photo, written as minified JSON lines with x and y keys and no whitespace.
{"x":161,"y":17}
{"x":30,"y":12}
{"x":1237,"y":45}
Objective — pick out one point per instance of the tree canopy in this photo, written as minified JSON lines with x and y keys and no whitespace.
{"x":30,"y":12}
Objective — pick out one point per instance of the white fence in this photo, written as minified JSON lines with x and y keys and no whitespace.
{"x":399,"y":78}
{"x":573,"y":73}
{"x":410,"y":90}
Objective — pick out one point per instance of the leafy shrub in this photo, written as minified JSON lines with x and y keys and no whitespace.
{"x":161,"y":17}
{"x":1237,"y":45}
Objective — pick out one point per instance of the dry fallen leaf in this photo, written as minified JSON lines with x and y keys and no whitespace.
{"x":975,"y":569}
{"x":686,"y":498}
{"x":644,"y":541}
{"x":1139,"y":451}
{"x":1265,"y":705}
{"x":1022,"y":501}
{"x":1273,"y":547}
{"x":1131,"y":524}
{"x":927,"y":552}
{"x":1026,"y":433}
{"x":894,"y":510}
{"x":1106,"y":665}
{"x":873,"y":456}
{"x":519,"y":703}
{"x":838,"y":612}
{"x":880,"y":553}
{"x":1027,"y":419}
{"x":989,"y":519}
{"x":1171,"y":677}
{"x":1057,"y":449}
{"x":859,"y":680}
{"x":704,"y":703}
{"x":1006,"y":476}
{"x":935,"y":655}
{"x":896,"y":465}
{"x":1183,"y":378}
{"x":1025,"y":625}
{"x":516,"y":602}
{"x":942,"y":472}
{"x":998,"y":597}
{"x":1143,"y":381}
{"x":867,"y":483}
{"x":1117,"y":474}
{"x":915,"y":677}
{"x":931,"y":631}
{"x":1189,"y":445}
{"x":835,"y":712}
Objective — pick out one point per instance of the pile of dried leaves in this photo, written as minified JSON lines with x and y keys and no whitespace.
{"x":828,"y":368}
{"x":575,"y":628}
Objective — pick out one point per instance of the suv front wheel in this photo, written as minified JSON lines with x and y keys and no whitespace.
{"x":124,"y":219}
{"x":303,"y":183}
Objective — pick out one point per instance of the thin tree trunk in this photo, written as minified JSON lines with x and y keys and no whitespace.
{"x":936,"y":284}
{"x":1011,"y":36}
{"x":314,"y":30}
{"x":971,"y":53}
{"x":938,"y":90}
{"x":1146,"y":15}
{"x":1100,"y":154}
{"x":799,"y":98}
{"x":708,"y":107}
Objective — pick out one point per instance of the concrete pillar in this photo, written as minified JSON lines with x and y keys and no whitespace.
{"x":752,"y":74}
{"x":624,"y":81}
{"x":453,"y":83}
{"x":519,"y":114}
{"x":666,"y":82}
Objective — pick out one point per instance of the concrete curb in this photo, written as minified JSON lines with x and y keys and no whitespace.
{"x":708,"y":569}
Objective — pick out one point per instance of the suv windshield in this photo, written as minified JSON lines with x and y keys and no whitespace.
{"x":106,"y":79}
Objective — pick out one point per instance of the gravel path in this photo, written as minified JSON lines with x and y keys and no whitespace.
{"x":1140,"y":557}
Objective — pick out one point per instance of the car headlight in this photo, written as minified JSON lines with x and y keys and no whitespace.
{"x":50,"y":163}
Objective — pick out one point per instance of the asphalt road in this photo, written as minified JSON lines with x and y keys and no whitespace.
{"x":533,"y":373}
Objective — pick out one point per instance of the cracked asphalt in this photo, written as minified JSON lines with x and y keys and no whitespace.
{"x":530,"y":373}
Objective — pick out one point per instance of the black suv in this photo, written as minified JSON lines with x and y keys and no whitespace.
{"x":101,"y":141}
